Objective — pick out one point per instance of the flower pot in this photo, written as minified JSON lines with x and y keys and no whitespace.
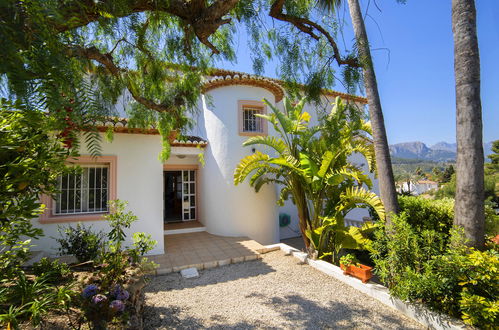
{"x":362,"y":272}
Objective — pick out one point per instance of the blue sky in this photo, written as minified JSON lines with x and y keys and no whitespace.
{"x":416,"y":76}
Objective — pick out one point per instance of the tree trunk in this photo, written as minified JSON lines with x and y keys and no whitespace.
{"x":383,"y":161}
{"x":469,"y":205}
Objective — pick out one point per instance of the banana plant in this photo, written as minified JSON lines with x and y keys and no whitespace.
{"x":310,"y":164}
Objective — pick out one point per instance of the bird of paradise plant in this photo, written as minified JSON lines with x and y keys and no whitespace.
{"x":310,"y":164}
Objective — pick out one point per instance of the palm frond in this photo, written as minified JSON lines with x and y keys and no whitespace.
{"x":270,"y":141}
{"x":247,"y":165}
{"x":355,"y":197}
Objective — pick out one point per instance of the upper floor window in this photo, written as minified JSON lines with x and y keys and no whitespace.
{"x":249,"y":122}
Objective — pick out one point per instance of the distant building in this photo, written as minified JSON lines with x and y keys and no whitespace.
{"x":418,"y":187}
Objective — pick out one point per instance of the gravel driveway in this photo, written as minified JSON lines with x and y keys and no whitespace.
{"x":274,"y":292}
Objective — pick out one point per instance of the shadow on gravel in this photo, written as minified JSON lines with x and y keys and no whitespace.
{"x":170,"y":318}
{"x":296,"y":311}
{"x":308,"y":314}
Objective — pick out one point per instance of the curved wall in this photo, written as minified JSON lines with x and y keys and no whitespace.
{"x":228,"y":209}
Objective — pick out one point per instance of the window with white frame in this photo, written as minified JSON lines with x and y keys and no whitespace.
{"x":251,"y":122}
{"x":84,"y":192}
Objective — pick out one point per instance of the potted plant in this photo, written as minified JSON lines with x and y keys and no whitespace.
{"x":351,"y":266}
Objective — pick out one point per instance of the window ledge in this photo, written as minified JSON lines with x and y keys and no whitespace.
{"x":73,"y":218}
{"x":253,"y":134}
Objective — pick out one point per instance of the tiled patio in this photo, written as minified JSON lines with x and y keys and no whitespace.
{"x":203,"y":250}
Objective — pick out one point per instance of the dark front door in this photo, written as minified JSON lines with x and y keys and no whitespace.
{"x":173,"y":195}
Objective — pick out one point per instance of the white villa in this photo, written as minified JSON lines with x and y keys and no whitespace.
{"x":182,"y":189}
{"x":418,"y":187}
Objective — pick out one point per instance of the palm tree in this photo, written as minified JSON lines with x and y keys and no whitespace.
{"x":469,"y":205}
{"x":311,"y":165}
{"x":383,"y":160}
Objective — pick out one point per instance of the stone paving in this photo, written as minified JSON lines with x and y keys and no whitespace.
{"x":203,"y":250}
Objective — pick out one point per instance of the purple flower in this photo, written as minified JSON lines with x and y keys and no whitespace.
{"x":98,"y":298}
{"x":117,"y":305}
{"x":119,"y":293}
{"x":90,"y":291}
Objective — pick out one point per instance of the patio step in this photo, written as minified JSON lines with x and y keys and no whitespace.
{"x":184,"y":230}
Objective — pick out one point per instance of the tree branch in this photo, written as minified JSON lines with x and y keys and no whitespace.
{"x":204,"y":20}
{"x":92,"y":53}
{"x":309,"y":27}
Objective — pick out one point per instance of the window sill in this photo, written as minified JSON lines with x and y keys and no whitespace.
{"x":253,"y":134}
{"x":73,"y":218}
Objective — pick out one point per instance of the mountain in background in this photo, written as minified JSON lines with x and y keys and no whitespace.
{"x":439,"y":152}
{"x":452,"y":147}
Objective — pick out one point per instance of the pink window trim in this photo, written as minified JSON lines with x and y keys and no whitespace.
{"x":48,"y":217}
{"x":253,"y":104}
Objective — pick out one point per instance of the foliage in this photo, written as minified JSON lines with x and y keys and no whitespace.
{"x":114,"y":260}
{"x":142,"y":243}
{"x":491,"y":188}
{"x":428,"y":214}
{"x":333,"y":237}
{"x":119,"y":220}
{"x":52,"y":271}
{"x":311,"y":164}
{"x":31,"y":160}
{"x":424,"y":265}
{"x":80,"y":241}
{"x":26,"y":299}
{"x":493,"y":166}
{"x":79,"y":59}
{"x":349,"y":260}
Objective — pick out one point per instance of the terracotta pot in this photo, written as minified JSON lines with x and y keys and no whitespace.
{"x":362,"y":272}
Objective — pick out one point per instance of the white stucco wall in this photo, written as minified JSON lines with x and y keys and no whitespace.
{"x":228,"y":209}
{"x":225,"y":209}
{"x":139,"y":181}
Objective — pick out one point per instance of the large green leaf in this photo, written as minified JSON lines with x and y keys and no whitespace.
{"x":356,"y":197}
{"x":308,"y":166}
{"x":249,"y":164}
{"x":270,"y":141}
{"x":327,"y":161}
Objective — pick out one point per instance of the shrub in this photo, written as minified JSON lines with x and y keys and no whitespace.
{"x":81,"y":242}
{"x":52,"y":271}
{"x":115,"y":260}
{"x":438,"y":214}
{"x":427,"y":266}
{"x":105,"y":298}
{"x":31,"y":160}
{"x":428,"y":214}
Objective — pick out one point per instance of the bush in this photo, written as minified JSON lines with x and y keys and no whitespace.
{"x":105,"y":298}
{"x":81,"y":242}
{"x":438,"y":214}
{"x":52,"y":271}
{"x":31,"y":160}
{"x":115,"y":259}
{"x":427,"y":266}
{"x":428,"y":214}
